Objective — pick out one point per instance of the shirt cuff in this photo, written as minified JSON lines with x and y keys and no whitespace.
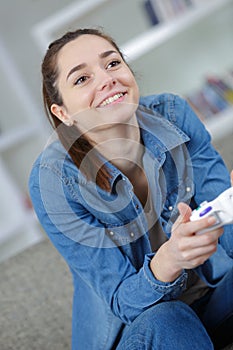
{"x":170,"y":290}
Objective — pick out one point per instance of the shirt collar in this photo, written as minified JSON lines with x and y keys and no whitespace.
{"x":158,"y":135}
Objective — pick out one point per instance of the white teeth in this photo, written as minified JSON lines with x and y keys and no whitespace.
{"x":111,"y":99}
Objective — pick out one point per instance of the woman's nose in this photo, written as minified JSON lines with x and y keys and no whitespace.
{"x":105,"y":80}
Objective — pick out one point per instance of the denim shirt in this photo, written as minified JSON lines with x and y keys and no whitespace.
{"x":103,"y":236}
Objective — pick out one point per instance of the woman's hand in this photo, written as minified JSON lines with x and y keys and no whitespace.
{"x":185,"y":249}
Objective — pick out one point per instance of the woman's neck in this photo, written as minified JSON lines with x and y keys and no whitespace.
{"x":122,"y":146}
{"x":126,"y":154}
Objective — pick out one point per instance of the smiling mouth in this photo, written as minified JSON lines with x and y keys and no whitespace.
{"x":111,"y":99}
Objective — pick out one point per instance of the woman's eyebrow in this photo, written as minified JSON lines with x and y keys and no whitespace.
{"x":83,"y":65}
{"x":107,"y":53}
{"x":74,"y":69}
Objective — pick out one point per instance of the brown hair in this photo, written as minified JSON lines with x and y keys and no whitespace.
{"x":78,"y":146}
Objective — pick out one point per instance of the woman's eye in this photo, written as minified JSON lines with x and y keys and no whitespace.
{"x":113,"y":63}
{"x":80,"y":80}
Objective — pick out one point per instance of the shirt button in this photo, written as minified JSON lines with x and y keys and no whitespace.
{"x":188,"y":189}
{"x":137,"y":206}
{"x":131,"y":234}
{"x":170,"y":207}
{"x":111,"y":233}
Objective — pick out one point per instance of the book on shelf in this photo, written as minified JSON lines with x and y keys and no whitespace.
{"x":200,"y":105}
{"x":214,"y":99}
{"x":153,"y":16}
{"x":160,"y":11}
{"x":221,"y":87}
{"x":215,"y":96}
{"x":200,"y":2}
{"x":228,"y":79}
{"x":165,"y":8}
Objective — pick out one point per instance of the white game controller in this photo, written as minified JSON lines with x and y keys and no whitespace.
{"x":221,"y":208}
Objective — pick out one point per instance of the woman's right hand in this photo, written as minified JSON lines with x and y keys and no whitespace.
{"x":185,"y":249}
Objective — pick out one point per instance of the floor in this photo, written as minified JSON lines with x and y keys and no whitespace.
{"x":36,"y":301}
{"x":35,"y":298}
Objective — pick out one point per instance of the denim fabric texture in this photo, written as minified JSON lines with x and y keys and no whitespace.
{"x":103,"y":236}
{"x":175,"y":329}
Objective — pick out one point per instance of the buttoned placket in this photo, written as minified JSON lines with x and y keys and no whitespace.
{"x":137,"y":207}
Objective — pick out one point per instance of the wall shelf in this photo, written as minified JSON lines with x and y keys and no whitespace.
{"x":221,"y":125}
{"x":159,"y":34}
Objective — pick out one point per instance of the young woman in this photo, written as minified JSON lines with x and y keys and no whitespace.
{"x":114,"y":194}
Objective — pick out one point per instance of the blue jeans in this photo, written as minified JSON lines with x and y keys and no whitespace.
{"x":166,"y":326}
{"x":216,"y":312}
{"x":206,"y":325}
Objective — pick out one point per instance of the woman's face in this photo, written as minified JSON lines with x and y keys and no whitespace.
{"x":97,"y":87}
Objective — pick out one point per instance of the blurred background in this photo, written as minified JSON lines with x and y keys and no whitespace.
{"x":185,"y":47}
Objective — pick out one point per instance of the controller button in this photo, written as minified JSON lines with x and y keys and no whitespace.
{"x":205,"y":211}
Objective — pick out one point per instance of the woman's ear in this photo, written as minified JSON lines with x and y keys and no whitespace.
{"x":61,"y":114}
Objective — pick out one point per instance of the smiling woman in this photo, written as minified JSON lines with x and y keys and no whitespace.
{"x":100,"y":79}
{"x":115,"y":193}
{"x":90,"y":74}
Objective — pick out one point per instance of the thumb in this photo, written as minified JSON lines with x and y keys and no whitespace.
{"x":185,"y":212}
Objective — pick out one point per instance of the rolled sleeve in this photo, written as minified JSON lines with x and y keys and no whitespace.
{"x":169,"y":290}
